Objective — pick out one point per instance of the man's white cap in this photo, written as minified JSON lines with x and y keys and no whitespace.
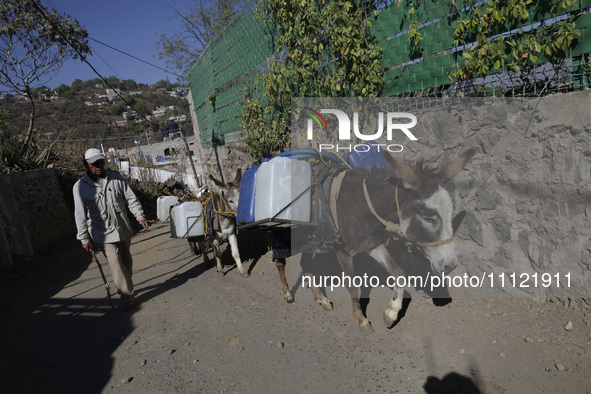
{"x":92,"y":155}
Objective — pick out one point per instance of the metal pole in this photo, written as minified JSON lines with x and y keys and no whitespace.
{"x":104,"y":278}
{"x":191,"y":159}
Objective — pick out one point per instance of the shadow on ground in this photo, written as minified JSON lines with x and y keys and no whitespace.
{"x":55,"y":335}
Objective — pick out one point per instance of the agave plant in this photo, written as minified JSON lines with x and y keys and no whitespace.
{"x":16,"y":156}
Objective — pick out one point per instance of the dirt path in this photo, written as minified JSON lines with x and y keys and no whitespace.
{"x":198,"y":332}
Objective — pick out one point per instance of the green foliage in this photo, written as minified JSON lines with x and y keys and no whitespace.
{"x":15,"y":155}
{"x":327,"y":51}
{"x":34,"y":43}
{"x":141,"y":109}
{"x":211,"y":99}
{"x":519,"y":53}
{"x":117,"y":109}
{"x":133,"y":127}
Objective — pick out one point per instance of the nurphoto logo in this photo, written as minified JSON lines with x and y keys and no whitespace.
{"x":393,"y":126}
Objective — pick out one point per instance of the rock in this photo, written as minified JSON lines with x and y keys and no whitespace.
{"x":127,"y":380}
{"x":560,"y":367}
{"x":171,"y":351}
{"x":143,"y":363}
{"x":280,"y":345}
{"x":528,"y":339}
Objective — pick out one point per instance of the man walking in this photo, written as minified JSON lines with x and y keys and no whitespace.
{"x":101,"y":200}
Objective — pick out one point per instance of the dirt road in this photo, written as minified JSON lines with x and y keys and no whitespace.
{"x":198,"y":332}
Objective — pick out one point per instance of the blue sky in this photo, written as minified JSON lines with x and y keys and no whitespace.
{"x":132,"y":26}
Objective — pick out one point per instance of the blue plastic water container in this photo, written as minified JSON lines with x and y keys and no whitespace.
{"x":368,"y":157}
{"x":245,"y":212}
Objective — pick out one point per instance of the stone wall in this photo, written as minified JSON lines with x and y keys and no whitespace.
{"x":526,"y":196}
{"x":34,"y":212}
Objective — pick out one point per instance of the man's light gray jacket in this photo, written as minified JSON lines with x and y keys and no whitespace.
{"x":100,"y":208}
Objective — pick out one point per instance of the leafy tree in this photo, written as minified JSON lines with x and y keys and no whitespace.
{"x":130,"y":84}
{"x":141,"y":109}
{"x":114,"y":82}
{"x":130,"y":100}
{"x":62,"y":89}
{"x":117,"y":109}
{"x":327,"y":51}
{"x":199,"y":24}
{"x":133,"y":127}
{"x":34,"y":44}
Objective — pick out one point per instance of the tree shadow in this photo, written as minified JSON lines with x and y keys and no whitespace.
{"x":252,"y":246}
{"x":51,"y":344}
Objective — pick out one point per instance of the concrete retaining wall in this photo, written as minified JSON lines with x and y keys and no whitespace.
{"x":526,"y":196}
{"x":33,"y":212}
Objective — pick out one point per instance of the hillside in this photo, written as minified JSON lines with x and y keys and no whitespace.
{"x":91,"y":112}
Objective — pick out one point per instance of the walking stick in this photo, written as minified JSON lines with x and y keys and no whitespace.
{"x":95,"y":259}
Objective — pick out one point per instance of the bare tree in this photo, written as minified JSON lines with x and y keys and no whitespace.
{"x":34,"y":43}
{"x":198,"y":25}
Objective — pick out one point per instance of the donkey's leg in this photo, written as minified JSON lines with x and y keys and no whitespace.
{"x":217,"y":251}
{"x":280,"y":263}
{"x":346,"y":262}
{"x":307,"y":264}
{"x":202,"y":245}
{"x":382,"y":256}
{"x":233,"y":240}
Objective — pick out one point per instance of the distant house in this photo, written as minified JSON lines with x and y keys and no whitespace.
{"x":161,"y":111}
{"x":112,"y":93}
{"x":178,"y":119}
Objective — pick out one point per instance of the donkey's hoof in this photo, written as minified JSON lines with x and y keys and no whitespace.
{"x":366,"y":327}
{"x":289,"y":299}
{"x":221,"y":273}
{"x":325,"y":304}
{"x":244,"y":274}
{"x":390,"y":318}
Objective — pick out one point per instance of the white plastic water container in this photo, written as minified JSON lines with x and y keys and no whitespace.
{"x":278,"y":183}
{"x":163,"y":205}
{"x":186,"y":220}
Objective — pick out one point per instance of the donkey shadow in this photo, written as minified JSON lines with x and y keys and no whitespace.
{"x":252,"y":246}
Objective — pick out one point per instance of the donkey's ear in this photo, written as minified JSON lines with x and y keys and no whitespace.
{"x":407,"y":175}
{"x":456,"y":166}
{"x":217,"y":183}
{"x":238,"y":176}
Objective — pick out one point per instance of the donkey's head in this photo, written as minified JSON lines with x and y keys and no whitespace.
{"x":230,"y":191}
{"x":426,"y":209}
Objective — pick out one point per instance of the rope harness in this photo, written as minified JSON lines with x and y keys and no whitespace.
{"x":394,"y":228}
{"x":220,"y":207}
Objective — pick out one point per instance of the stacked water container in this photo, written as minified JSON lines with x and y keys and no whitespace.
{"x":245,"y":213}
{"x":163,"y":205}
{"x":282,"y":190}
{"x":186,"y":220}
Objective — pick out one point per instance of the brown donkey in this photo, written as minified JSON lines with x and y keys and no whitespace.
{"x":408,"y":203}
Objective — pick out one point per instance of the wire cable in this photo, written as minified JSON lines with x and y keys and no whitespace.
{"x":134,"y":57}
